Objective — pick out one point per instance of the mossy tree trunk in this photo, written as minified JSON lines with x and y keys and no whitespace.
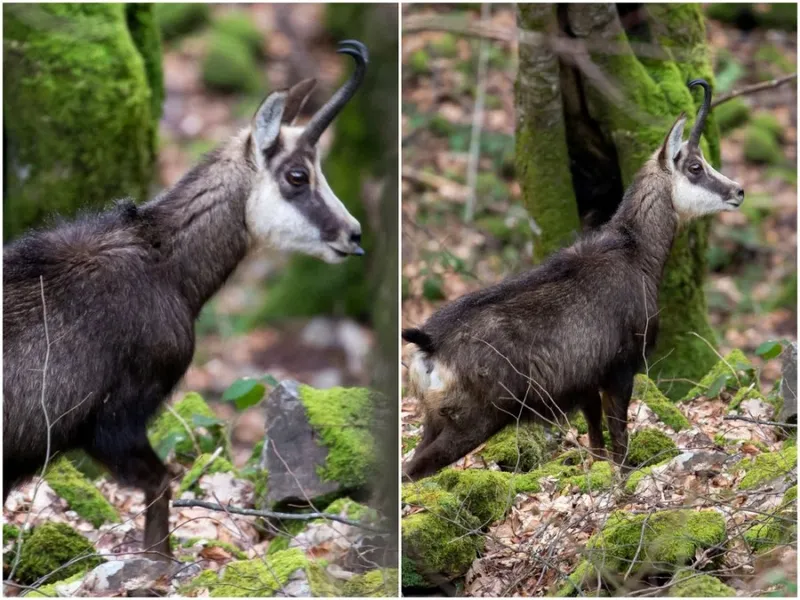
{"x":588,"y":120}
{"x":82,"y":100}
{"x":357,"y":159}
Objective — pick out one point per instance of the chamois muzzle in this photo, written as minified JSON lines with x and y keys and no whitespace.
{"x":325,"y":115}
{"x":702,"y":114}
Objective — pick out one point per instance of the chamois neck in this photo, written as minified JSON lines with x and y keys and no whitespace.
{"x":201,"y":221}
{"x":646,"y":212}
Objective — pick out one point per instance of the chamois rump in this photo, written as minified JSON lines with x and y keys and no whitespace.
{"x":571,"y":333}
{"x":98,"y":314}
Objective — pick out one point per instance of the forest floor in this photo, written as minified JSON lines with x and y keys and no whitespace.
{"x":751,"y":288}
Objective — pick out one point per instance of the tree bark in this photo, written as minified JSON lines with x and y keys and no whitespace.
{"x":597,"y":112}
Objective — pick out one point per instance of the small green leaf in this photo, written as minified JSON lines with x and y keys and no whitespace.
{"x":204,"y":421}
{"x":718,"y":385}
{"x":270,"y":380}
{"x":169,"y":443}
{"x":244,"y":393}
{"x":769,"y":350}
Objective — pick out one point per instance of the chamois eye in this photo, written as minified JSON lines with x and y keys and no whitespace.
{"x":695,"y":168}
{"x":297,"y":177}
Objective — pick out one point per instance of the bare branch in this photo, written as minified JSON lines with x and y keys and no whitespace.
{"x":752,"y":89}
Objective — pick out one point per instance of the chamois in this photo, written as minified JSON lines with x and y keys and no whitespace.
{"x":99,"y":313}
{"x":549,"y":341}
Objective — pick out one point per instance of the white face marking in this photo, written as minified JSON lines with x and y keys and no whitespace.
{"x":692,"y":200}
{"x":276,"y":222}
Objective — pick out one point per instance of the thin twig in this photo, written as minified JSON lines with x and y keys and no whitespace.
{"x":756,"y":421}
{"x":752,"y":89}
{"x":268,"y":514}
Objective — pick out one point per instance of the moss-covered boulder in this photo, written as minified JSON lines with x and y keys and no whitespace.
{"x":563,"y":468}
{"x":731,"y":373}
{"x":767,"y":467}
{"x":648,"y":446}
{"x":486,"y":494}
{"x":240,"y":26}
{"x":378,"y":583}
{"x":440,"y":539}
{"x":647,"y":391}
{"x":49,"y":547}
{"x":189,"y":428}
{"x":660,"y":541}
{"x":320,"y":442}
{"x":202,"y":467}
{"x":56,"y":588}
{"x":688,"y":584}
{"x":761,"y":146}
{"x":80,"y":123}
{"x":179,"y":18}
{"x":288,"y":572}
{"x":81,"y":495}
{"x":732,"y":114}
{"x":229,"y":66}
{"x":516,"y":448}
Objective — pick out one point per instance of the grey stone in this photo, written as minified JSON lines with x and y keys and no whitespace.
{"x":128,"y":577}
{"x":293,"y":449}
{"x":703,"y":463}
{"x":788,"y":412}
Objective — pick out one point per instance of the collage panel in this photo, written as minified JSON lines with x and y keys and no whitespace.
{"x":599,"y":306}
{"x":200,"y":300}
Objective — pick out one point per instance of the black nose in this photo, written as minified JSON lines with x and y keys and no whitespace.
{"x":356,"y":237}
{"x":740,"y":194}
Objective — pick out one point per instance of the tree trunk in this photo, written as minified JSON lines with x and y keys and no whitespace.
{"x":591,"y":111}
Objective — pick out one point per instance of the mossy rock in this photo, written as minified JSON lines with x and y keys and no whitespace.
{"x":288,"y":529}
{"x":378,"y":583}
{"x":771,"y":531}
{"x":81,"y":495}
{"x":240,"y":26}
{"x":599,"y":478}
{"x":732,"y":114}
{"x":689,"y":584}
{"x":66,"y":90}
{"x":350,"y":509}
{"x":229,"y":66}
{"x":49,"y":547}
{"x":486,"y":494}
{"x":202,"y":467}
{"x":49,"y":590}
{"x":662,"y":541}
{"x":439,"y":541}
{"x":178,"y":19}
{"x":648,"y":446}
{"x":236,"y":552}
{"x":516,"y":448}
{"x":647,"y":391}
{"x":767,"y":467}
{"x":168,"y":432}
{"x":261,"y":577}
{"x":746,"y":393}
{"x":768,"y":122}
{"x":735,"y":371}
{"x":761,"y":146}
{"x":563,"y":468}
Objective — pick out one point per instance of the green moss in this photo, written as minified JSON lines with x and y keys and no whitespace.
{"x":768,"y":466}
{"x":771,"y":531}
{"x":178,"y":19}
{"x":647,"y":446}
{"x":689,"y":584}
{"x":288,"y":529}
{"x":736,"y":369}
{"x":578,"y":421}
{"x":50,"y":546}
{"x":409,"y":443}
{"x":10,"y":532}
{"x":636,"y":476}
{"x":760,"y":146}
{"x":790,"y":496}
{"x":257,"y":577}
{"x":65,"y":91}
{"x":418,"y":62}
{"x":229,"y":66}
{"x":732,"y":114}
{"x":516,"y":448}
{"x":351,"y":509}
{"x":206,"y":543}
{"x":645,"y":390}
{"x":378,"y":583}
{"x":49,"y":590}
{"x":82,"y":497}
{"x":583,"y":576}
{"x":561,"y":468}
{"x":746,"y":393}
{"x":599,"y":478}
{"x":662,"y":540}
{"x":167,"y":432}
{"x":769,"y":123}
{"x":446,"y":45}
{"x":343,"y":417}
{"x":201,"y":467}
{"x":240,"y":26}
{"x":486,"y":494}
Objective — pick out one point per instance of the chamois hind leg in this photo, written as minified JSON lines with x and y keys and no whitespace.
{"x":616,"y":398}
{"x":592,"y":409}
{"x":132,"y":461}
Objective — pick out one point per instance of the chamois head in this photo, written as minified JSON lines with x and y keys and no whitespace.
{"x":697,"y":188}
{"x":292,"y":207}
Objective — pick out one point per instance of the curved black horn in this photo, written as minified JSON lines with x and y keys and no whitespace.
{"x":700,"y":122}
{"x":325,"y":115}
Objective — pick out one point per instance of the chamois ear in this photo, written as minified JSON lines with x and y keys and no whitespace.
{"x":672,"y":144}
{"x":268,"y":119}
{"x":298,"y":94}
